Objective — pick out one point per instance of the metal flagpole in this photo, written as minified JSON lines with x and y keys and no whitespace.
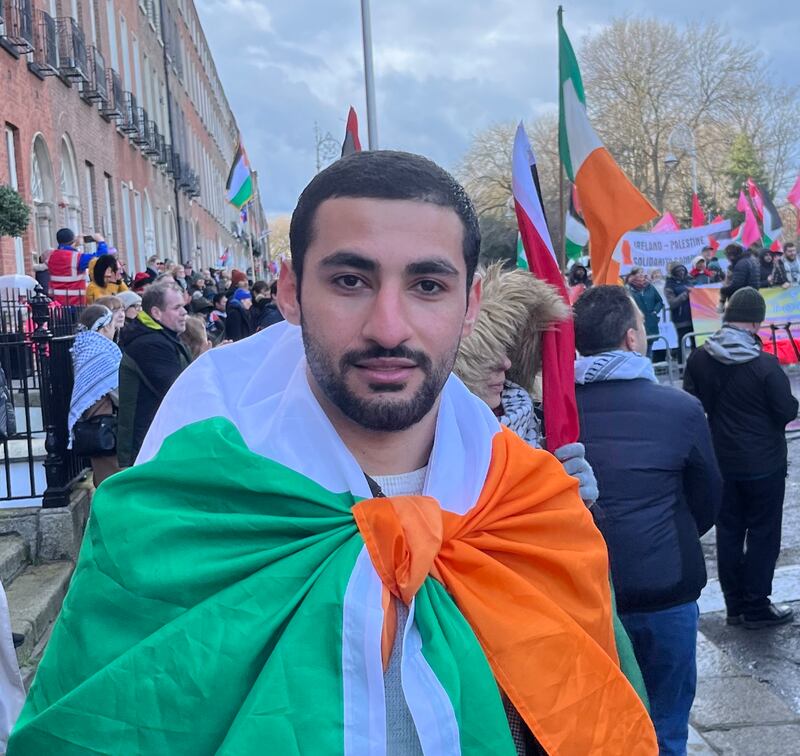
{"x":369,"y":75}
{"x":562,"y":248}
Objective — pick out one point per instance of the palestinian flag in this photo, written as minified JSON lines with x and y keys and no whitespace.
{"x":770,"y":218}
{"x":239,"y":189}
{"x":237,"y":589}
{"x":351,"y":141}
{"x":611,"y":204}
{"x":558,"y":342}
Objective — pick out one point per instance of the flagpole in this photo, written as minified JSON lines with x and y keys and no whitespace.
{"x":562,"y":247}
{"x":369,"y":75}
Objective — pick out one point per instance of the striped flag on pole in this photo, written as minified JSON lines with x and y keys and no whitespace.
{"x":351,"y":141}
{"x":558,"y":344}
{"x":794,"y":198}
{"x":611,"y":205}
{"x":698,"y":214}
{"x":750,"y":233}
{"x":768,"y":213}
{"x":239,"y":189}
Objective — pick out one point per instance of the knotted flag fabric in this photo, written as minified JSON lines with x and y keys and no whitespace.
{"x":351,"y":141}
{"x":233,"y":588}
{"x":558,"y":342}
{"x":575,"y":231}
{"x":610,"y":203}
{"x":239,"y":187}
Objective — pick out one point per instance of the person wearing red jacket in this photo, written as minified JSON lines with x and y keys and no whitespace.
{"x":67,"y":266}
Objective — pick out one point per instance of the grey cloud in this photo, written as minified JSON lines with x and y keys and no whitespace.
{"x":444,"y":69}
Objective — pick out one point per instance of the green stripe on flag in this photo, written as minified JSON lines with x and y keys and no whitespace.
{"x":451,"y":649}
{"x":244,"y":194}
{"x":209,"y":591}
{"x":522,"y":258}
{"x":568,"y":70}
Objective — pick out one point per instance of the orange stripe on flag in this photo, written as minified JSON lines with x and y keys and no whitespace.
{"x":612,"y":206}
{"x":529,"y":570}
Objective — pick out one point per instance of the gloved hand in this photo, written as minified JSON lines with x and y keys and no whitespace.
{"x":573,"y":457}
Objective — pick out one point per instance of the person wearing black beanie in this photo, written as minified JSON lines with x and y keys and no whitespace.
{"x":748,"y":400}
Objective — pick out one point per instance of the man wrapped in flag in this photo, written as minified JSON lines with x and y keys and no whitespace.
{"x":335,"y":548}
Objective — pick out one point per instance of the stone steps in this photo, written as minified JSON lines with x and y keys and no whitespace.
{"x":34,"y":600}
{"x":14,"y":556}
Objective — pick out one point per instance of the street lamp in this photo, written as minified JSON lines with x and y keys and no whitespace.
{"x":681,"y":142}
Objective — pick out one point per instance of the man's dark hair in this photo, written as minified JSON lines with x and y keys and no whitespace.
{"x":273,"y":289}
{"x":155,"y":295}
{"x":219,"y":297}
{"x":603,"y":315}
{"x":788,"y":245}
{"x":383,"y":174}
{"x":734,"y":252}
{"x":65,"y":236}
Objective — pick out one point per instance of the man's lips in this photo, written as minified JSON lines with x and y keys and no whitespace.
{"x":386,"y":369}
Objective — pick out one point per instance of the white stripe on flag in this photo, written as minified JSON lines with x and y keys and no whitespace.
{"x":576,"y":231}
{"x":581,"y":136}
{"x":524,"y":189}
{"x":362,"y":663}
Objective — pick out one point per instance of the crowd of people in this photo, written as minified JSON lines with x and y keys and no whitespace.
{"x":135,"y":335}
{"x":568,"y":581}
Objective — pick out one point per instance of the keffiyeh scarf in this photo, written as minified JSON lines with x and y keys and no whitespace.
{"x":617,"y":365}
{"x":95,"y":364}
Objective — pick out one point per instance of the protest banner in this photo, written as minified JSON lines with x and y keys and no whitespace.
{"x":783,"y":307}
{"x":655,"y":251}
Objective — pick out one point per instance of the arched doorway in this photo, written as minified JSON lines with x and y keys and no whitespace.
{"x":43,"y":195}
{"x":70,"y":195}
{"x":172,"y":237}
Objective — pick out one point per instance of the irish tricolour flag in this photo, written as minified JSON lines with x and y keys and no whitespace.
{"x":611,"y":205}
{"x":239,"y":189}
{"x":237,"y":588}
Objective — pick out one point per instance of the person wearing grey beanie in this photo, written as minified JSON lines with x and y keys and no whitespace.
{"x":748,"y":400}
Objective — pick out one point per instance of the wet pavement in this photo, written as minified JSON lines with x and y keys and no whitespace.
{"x":748,"y":693}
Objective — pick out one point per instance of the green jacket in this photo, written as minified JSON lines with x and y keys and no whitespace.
{"x":650,"y":303}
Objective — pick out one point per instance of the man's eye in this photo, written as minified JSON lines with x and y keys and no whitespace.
{"x":349,"y":282}
{"x":429,"y":287}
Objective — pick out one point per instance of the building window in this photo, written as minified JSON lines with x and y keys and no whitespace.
{"x":137,"y":70}
{"x":13,"y":182}
{"x":125,"y":63}
{"x":126,"y":225}
{"x":111,"y":21}
{"x":90,"y":193}
{"x":108,"y":210}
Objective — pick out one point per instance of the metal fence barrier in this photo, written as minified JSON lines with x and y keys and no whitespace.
{"x":35,"y":341}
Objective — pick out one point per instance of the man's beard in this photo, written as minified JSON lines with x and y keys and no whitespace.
{"x":380,"y":413}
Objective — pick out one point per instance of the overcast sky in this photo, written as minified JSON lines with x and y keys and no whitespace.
{"x":444,"y":68}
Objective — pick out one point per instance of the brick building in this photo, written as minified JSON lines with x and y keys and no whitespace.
{"x":115,"y":121}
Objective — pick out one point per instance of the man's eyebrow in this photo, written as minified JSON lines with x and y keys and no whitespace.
{"x":434,"y":267}
{"x":347,"y":259}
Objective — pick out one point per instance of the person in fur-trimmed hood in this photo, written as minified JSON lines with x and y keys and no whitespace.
{"x":501,"y":359}
{"x":500,"y":362}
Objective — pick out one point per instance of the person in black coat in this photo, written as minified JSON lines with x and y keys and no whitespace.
{"x":748,"y":400}
{"x":660,"y":488}
{"x":744,"y":270}
{"x":265,"y":312}
{"x":238,"y":323}
{"x":676,"y":290}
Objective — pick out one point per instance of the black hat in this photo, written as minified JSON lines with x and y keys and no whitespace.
{"x":65,"y":236}
{"x":745,"y":306}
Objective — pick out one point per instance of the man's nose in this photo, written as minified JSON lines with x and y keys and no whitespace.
{"x":387,"y":322}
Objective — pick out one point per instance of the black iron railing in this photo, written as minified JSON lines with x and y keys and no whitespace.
{"x":95,"y":89}
{"x":45,"y":54}
{"x":153,"y":147}
{"x":129,"y":123}
{"x":17,"y":25}
{"x":35,"y":341}
{"x":73,"y":63}
{"x":141,"y":137}
{"x":113,"y":106}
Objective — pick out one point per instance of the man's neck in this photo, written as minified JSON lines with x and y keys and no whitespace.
{"x":381,"y":452}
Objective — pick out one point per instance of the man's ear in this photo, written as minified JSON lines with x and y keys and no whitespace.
{"x":473,"y":306}
{"x":288,"y":301}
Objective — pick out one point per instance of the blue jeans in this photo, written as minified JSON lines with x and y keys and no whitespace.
{"x":665,"y":644}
